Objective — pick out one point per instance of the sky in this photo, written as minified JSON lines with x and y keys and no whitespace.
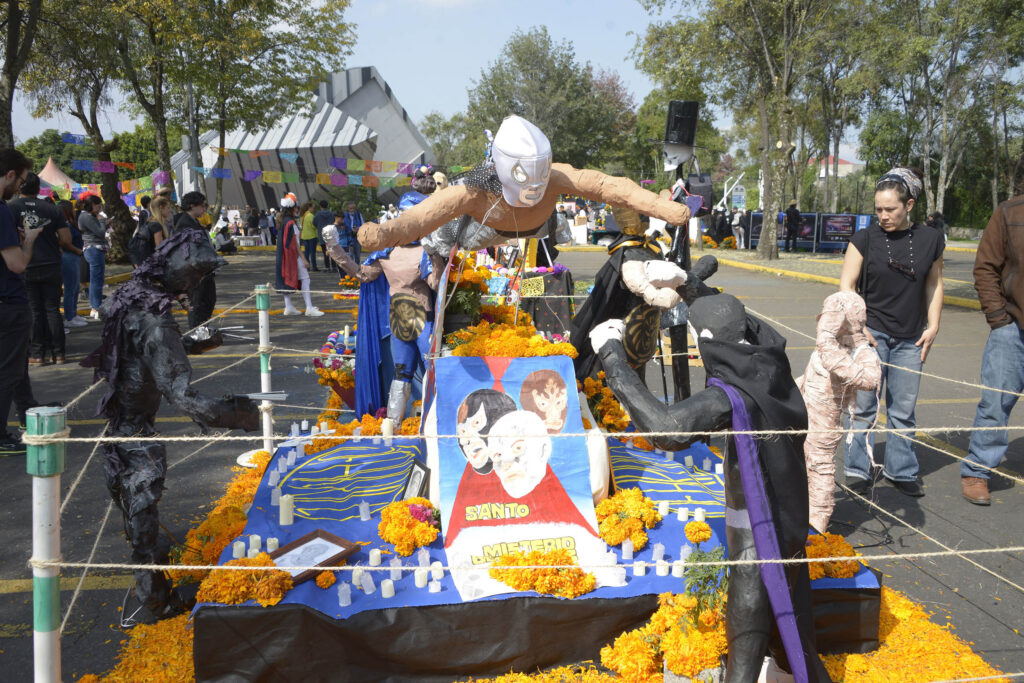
{"x":431,"y":51}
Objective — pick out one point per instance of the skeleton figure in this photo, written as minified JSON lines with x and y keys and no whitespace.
{"x":142,"y":356}
{"x":516,"y":192}
{"x":842,"y":364}
{"x":411,"y":276}
{"x":750,"y":388}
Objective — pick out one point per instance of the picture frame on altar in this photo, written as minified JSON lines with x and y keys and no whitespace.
{"x":316,"y":549}
{"x":508,"y":257}
{"x":418,"y":481}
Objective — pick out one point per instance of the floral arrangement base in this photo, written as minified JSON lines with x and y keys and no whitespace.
{"x":716,"y":675}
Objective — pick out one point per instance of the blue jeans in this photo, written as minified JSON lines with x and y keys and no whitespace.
{"x":900,"y":401}
{"x":69,"y":274}
{"x":97,"y":260}
{"x":309,"y":247}
{"x":1002,"y":367}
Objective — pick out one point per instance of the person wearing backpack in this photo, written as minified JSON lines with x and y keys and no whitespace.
{"x":149,"y":235}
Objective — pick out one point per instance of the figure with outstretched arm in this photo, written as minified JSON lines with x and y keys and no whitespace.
{"x":750,"y":387}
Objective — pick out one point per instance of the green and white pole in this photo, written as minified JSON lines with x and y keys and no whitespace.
{"x":45,"y":464}
{"x":266,"y":407}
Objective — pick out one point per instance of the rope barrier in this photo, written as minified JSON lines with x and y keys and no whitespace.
{"x":85,"y":569}
{"x":41,"y":440}
{"x":961,"y":458}
{"x":867,"y":559}
{"x":962,"y":553}
{"x":81,"y":473}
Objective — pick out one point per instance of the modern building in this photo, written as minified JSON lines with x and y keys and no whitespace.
{"x":824,"y":165}
{"x":355,"y":115}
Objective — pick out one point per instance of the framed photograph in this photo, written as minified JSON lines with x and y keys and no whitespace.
{"x":417,"y":481}
{"x":509,"y":257}
{"x":316,"y":549}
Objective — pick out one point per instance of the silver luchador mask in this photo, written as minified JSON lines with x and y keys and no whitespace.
{"x":522,"y":159}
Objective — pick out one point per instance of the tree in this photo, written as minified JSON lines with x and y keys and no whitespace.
{"x":20,"y":20}
{"x":770,"y":52}
{"x":542,"y":82}
{"x":454,"y":140}
{"x":262,"y":59}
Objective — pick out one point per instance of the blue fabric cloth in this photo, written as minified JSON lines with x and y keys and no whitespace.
{"x":901,"y":390}
{"x":373,"y":349}
{"x":12,"y":285}
{"x":410,"y":199}
{"x":1002,"y":367}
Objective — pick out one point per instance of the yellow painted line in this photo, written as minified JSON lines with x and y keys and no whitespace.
{"x":584,"y":247}
{"x":175,"y":418}
{"x":948,"y":299}
{"x":69,"y":583}
{"x":946,"y":401}
{"x":969,"y":250}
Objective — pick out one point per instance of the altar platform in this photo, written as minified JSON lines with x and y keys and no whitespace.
{"x":418,"y":635}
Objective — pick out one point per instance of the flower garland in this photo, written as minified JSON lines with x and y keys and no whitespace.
{"x":627,"y":514}
{"x":205,"y":542}
{"x":232,"y":588}
{"x":516,"y":341}
{"x":409,"y":524}
{"x":728,"y":243}
{"x":559,"y":581}
{"x":831,"y":545}
{"x":336,"y":370}
{"x":710,"y":242}
{"x":325,"y":579}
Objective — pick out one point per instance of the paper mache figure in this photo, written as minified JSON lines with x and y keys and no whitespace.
{"x":515,"y":192}
{"x":409,"y":283}
{"x":143,"y":357}
{"x":843,"y":363}
{"x":750,"y":387}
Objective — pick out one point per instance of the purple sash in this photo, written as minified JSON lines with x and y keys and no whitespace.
{"x":765,"y":540}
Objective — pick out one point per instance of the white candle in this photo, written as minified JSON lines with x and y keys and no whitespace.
{"x":286,"y":513}
{"x":639,"y":568}
{"x":252,"y":553}
{"x":295,"y":428}
{"x":374,"y":557}
{"x":314,"y":431}
{"x":364,"y":511}
{"x":423,"y":557}
{"x":387,"y":588}
{"x":275,"y":478}
{"x":305,"y":425}
{"x":396,"y":568}
{"x":387,"y":429}
{"x":685,"y":550}
{"x":699,"y":515}
{"x":323,"y":426}
{"x":272,"y":544}
{"x":627,"y":549}
{"x":344,"y":595}
{"x":689,"y":461}
{"x":659,"y":551}
{"x":663,"y":508}
{"x":367,"y":584}
{"x":718,"y":468}
{"x":255,"y":542}
{"x":661,"y":568}
{"x":291,"y":458}
{"x":683,"y":514}
{"x":238,"y":550}
{"x":707,"y":465}
{"x":357,"y":576}
{"x":677,"y":569}
{"x":422,"y":575}
{"x":435,"y":586}
{"x":275,"y":496}
{"x":436,"y":571}
{"x":347,"y":331}
{"x":282,"y":465}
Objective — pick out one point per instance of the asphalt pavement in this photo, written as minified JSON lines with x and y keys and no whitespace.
{"x":984,"y":609}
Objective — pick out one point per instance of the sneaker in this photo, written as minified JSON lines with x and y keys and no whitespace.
{"x":10,"y":446}
{"x":975,"y":490}
{"x":862,"y":487}
{"x":94,"y":314}
{"x":77,"y":321}
{"x":81,"y":319}
{"x":314,"y":312}
{"x":291,"y":311}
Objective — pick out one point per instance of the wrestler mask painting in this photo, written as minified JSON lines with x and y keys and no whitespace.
{"x":508,"y":481}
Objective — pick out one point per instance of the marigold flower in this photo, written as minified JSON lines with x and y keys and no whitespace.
{"x":406,"y":530}
{"x":560,"y":580}
{"x":325,"y":579}
{"x":697,"y":532}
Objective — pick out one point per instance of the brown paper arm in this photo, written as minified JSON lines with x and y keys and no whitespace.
{"x":617,"y":192}
{"x":419,"y":221}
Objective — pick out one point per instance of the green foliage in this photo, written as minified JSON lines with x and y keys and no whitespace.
{"x":454,"y":140}
{"x":708,"y":584}
{"x":464,"y":301}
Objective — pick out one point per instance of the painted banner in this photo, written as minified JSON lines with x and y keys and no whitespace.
{"x":509,"y":482}
{"x":73,"y":139}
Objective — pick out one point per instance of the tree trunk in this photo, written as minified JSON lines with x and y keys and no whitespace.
{"x":17,"y":47}
{"x":121,"y":217}
{"x":767,"y":248}
{"x":223,"y":133}
{"x":995,"y":150}
{"x":6,"y":123}
{"x":837,"y":135}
